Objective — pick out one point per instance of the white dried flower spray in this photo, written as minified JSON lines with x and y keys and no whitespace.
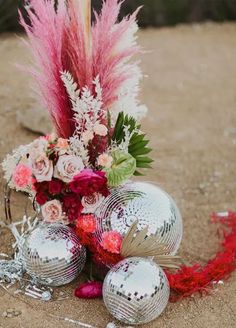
{"x":88,"y":111}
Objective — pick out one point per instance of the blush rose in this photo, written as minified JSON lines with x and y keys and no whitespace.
{"x":67,"y":167}
{"x":42,"y":167}
{"x":52,"y":211}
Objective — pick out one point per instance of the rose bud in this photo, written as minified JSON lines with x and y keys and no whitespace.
{"x":89,"y":290}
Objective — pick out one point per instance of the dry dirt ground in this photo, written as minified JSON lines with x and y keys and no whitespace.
{"x":191,"y":93}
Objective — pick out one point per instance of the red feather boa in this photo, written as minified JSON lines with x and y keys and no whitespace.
{"x":196,"y":278}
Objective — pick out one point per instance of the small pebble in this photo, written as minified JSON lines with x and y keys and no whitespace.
{"x":11,"y":313}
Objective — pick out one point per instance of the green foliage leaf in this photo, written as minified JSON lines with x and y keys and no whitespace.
{"x":138,"y":146}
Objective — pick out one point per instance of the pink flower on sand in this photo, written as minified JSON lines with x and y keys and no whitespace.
{"x":52,"y":211}
{"x":100,"y":129}
{"x":111,"y":241}
{"x":22,"y":176}
{"x":105,"y":160}
{"x":89,"y":290}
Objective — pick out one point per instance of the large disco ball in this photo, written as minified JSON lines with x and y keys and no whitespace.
{"x":136,"y":291}
{"x":52,"y":254}
{"x":147,"y":204}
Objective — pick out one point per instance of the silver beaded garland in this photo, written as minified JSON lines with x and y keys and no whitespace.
{"x":136,"y":291}
{"x":52,"y":254}
{"x":147,"y":204}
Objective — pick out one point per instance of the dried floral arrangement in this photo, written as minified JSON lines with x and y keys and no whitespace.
{"x":98,"y":143}
{"x":78,"y":176}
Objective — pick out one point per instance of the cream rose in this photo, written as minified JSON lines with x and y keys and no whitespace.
{"x":52,"y":211}
{"x":91,"y":203}
{"x":42,"y":167}
{"x":67,"y":167}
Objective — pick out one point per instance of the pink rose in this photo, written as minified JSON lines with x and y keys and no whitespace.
{"x":22,"y":176}
{"x":52,"y":211}
{"x":42,"y":167}
{"x":67,"y":167}
{"x":91,"y":203}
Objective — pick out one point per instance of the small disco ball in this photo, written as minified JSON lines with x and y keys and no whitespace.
{"x":147,"y":204}
{"x":136,"y":291}
{"x":52,"y":254}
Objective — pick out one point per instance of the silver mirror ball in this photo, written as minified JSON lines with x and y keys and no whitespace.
{"x":147,"y":204}
{"x":136,"y":291}
{"x":52,"y":254}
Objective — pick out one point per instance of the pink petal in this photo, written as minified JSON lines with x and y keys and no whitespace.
{"x":89,"y":290}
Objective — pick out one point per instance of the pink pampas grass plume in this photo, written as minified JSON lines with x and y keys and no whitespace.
{"x":78,"y":42}
{"x":114,"y":44}
{"x":57,"y":41}
{"x":63,"y":39}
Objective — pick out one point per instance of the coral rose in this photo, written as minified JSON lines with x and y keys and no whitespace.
{"x":87,"y":223}
{"x":111,"y":241}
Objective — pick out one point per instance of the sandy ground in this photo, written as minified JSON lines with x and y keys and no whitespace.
{"x":191,"y":93}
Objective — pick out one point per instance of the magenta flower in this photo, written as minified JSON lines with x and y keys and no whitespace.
{"x":89,"y":182}
{"x":89,"y":290}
